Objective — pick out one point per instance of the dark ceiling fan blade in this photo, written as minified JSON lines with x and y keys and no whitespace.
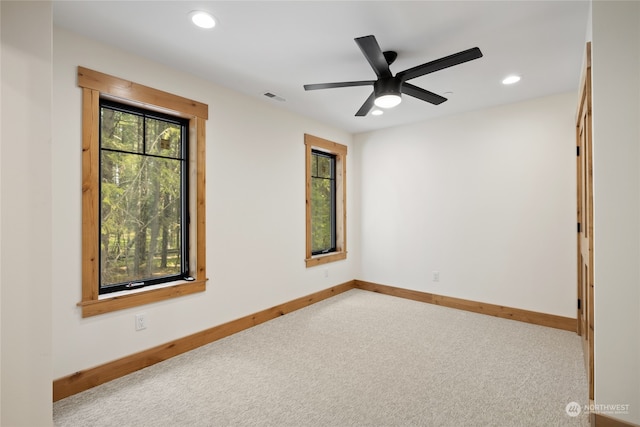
{"x":439,"y":64}
{"x":367,"y":106}
{"x":371,"y":50}
{"x":338,"y":84}
{"x":425,"y":95}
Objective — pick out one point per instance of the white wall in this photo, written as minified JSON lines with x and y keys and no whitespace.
{"x":255,"y":211}
{"x":25,"y":213}
{"x":486,"y":198}
{"x":616,"y":139}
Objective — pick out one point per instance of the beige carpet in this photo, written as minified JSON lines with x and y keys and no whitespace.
{"x":357,"y":359}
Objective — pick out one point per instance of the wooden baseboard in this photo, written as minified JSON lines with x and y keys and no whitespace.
{"x":88,"y":378}
{"x":527,"y":316}
{"x":600,"y":420}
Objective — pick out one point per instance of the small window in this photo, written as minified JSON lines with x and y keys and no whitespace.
{"x":325,"y":201}
{"x":143,"y":202}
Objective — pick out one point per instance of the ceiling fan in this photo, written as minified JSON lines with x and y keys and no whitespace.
{"x":387,"y":88}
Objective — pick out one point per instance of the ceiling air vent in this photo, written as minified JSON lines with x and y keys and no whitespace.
{"x":274,"y":96}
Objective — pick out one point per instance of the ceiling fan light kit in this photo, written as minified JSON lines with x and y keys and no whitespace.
{"x":387,"y":89}
{"x":387,"y":93}
{"x":387,"y":101}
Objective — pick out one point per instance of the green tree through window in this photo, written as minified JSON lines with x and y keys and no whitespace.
{"x":143,"y":158}
{"x":323,"y":206}
{"x":325,"y":196}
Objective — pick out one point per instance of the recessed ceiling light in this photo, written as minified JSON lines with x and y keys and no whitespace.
{"x":509,"y":80}
{"x":377,"y":112}
{"x":202,"y":19}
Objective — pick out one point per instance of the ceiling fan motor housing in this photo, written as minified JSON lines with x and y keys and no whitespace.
{"x":387,"y":86}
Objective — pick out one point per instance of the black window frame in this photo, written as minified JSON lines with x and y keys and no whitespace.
{"x":332,"y":179}
{"x":184,"y":193}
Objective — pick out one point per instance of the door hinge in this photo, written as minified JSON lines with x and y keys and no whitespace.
{"x":577,"y":150}
{"x":579,"y":304}
{"x":578,"y":227}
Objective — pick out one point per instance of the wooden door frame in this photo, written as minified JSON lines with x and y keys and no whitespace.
{"x":584,"y":185}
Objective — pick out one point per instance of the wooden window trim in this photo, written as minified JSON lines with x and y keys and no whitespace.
{"x":96,"y":85}
{"x":340,"y":151}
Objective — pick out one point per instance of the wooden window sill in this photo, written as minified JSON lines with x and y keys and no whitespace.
{"x":326,"y":258}
{"x":144,"y":296}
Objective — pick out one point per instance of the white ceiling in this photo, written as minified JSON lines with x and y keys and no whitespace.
{"x":278,"y":46}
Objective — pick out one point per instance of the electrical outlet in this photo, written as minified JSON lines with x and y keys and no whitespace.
{"x":326,"y":272}
{"x":141,"y":322}
{"x":436,"y":276}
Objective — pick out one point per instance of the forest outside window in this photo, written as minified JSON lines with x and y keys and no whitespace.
{"x":143,"y":194}
{"x":143,"y":205}
{"x":325,"y":201}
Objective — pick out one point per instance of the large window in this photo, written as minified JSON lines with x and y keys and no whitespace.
{"x":143,"y":197}
{"x":325,"y":201}
{"x":143,"y":194}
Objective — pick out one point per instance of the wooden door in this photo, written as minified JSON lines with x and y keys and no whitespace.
{"x":585,"y":219}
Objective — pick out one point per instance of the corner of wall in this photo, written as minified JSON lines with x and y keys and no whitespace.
{"x":25,"y":213}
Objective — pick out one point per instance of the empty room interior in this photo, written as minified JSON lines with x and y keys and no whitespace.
{"x":226,"y":204}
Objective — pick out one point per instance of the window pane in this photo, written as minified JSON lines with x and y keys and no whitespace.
{"x":321,"y":215}
{"x":141,"y":235}
{"x":163,"y":138}
{"x":121,"y":131}
{"x":324,"y":167}
{"x":322,"y":202}
{"x":314,"y":165}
